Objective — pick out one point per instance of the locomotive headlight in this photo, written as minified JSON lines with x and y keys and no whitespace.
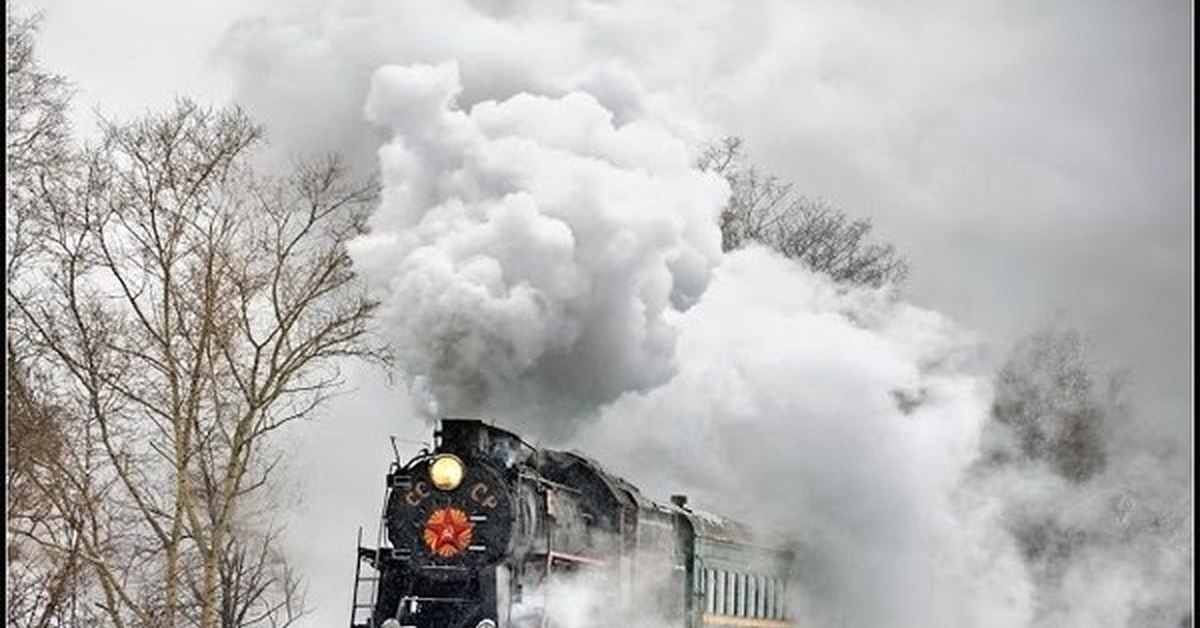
{"x":447,"y":472}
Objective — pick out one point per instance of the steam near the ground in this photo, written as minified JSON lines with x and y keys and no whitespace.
{"x":596,"y":599}
{"x":547,"y":257}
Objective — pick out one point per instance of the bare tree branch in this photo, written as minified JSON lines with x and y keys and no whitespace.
{"x":762,"y":209}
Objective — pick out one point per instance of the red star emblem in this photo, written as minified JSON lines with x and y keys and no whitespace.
{"x":448,"y":532}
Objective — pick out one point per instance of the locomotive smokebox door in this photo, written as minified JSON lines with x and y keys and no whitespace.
{"x":454,"y":516}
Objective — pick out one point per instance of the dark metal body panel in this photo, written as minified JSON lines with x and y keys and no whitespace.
{"x":537,"y":515}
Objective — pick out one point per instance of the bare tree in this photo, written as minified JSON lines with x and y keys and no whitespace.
{"x":37,"y":134}
{"x":36,"y":129}
{"x":1059,"y":409}
{"x":45,"y":562}
{"x":186,"y":307}
{"x":763,"y":209}
{"x":44,"y":555}
{"x":1074,"y":484}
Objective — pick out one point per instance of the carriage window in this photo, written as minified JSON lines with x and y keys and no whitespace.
{"x":718,"y":592}
{"x":710,"y":591}
{"x":751,"y":594}
{"x":755,"y":597}
{"x":748,"y":603}
{"x":730,"y":593}
{"x":781,"y":599}
{"x":731,"y":603}
{"x":739,"y":593}
{"x":766,"y":597}
{"x":748,"y":597}
{"x":722,"y":592}
{"x":777,"y":598}
{"x":768,"y":600}
{"x":735,"y":598}
{"x":762,"y":596}
{"x":741,"y":608}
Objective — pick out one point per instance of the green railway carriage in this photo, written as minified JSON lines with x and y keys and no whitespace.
{"x":736,"y":581}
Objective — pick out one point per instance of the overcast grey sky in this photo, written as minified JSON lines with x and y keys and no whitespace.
{"x":1032,"y":159}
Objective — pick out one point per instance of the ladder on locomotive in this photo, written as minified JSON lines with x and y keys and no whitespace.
{"x":362,"y":612}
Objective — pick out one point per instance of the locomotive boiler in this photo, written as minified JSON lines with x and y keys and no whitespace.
{"x":477,"y":531}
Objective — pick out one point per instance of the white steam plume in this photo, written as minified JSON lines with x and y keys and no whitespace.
{"x":530,"y":251}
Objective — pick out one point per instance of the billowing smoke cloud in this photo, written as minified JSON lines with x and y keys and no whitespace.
{"x":547,"y":257}
{"x":844,"y":420}
{"x":530,"y":251}
{"x":306,"y":68}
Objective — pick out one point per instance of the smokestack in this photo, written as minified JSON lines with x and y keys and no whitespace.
{"x":679,"y":500}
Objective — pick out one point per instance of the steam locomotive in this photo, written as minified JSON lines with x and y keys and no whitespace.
{"x":487,"y":531}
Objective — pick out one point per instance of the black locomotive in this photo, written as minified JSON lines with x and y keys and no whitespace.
{"x":480,"y":529}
